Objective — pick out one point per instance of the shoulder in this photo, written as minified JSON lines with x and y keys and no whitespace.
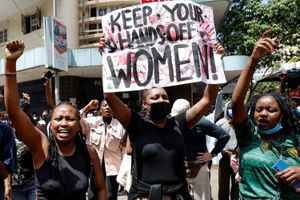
{"x":92,"y":152}
{"x":5,"y":131}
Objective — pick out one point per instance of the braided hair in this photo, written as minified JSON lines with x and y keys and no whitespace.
{"x":79,"y":142}
{"x":290,"y":123}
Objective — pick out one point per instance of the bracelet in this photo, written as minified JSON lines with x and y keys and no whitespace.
{"x":9,"y":74}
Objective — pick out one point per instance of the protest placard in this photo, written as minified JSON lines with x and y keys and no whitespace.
{"x":160,"y":44}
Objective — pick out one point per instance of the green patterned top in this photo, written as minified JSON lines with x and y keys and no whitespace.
{"x":257,"y":156}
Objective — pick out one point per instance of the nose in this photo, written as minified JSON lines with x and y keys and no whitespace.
{"x":264,"y":113}
{"x":63,"y":122}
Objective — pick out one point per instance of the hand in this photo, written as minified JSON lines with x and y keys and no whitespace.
{"x":290,"y":175}
{"x":220,"y":49}
{"x":8,"y":193}
{"x":93,"y":104}
{"x":101,"y":44}
{"x":204,"y":157}
{"x":26,"y":97}
{"x":264,"y":46}
{"x":227,"y":153}
{"x":283,"y":76}
{"x":14,"y":49}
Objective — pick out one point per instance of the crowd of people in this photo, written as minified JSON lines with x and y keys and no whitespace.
{"x":75,"y":153}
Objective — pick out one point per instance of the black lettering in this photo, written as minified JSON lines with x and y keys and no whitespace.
{"x":179,"y":62}
{"x":212,"y":63}
{"x":123,"y":41}
{"x":190,"y":29}
{"x":197,"y":56}
{"x":112,"y":46}
{"x":206,"y":62}
{"x":139,"y":53}
{"x":122,"y":75}
{"x":126,"y":19}
{"x":135,"y":38}
{"x":182,"y":12}
{"x":152,"y":35}
{"x":182,"y":30}
{"x":136,"y":17}
{"x":175,"y":28}
{"x":171,"y":11}
{"x":198,"y":13}
{"x":113,"y":23}
{"x":193,"y":15}
{"x":147,"y":11}
{"x":144,"y":36}
{"x":157,"y":58}
{"x":159,"y":29}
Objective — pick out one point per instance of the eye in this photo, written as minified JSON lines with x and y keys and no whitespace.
{"x":58,"y":119}
{"x":71,"y":119}
{"x":258,"y":109}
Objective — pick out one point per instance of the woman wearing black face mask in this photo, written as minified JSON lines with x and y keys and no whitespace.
{"x":158,"y":148}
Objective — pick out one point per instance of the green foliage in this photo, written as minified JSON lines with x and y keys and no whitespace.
{"x":266,"y":87}
{"x":248,"y":19}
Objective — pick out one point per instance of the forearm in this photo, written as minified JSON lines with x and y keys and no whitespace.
{"x":220,"y":145}
{"x":120,"y":110}
{"x":11,"y":94}
{"x":195,"y":113}
{"x":48,"y":93}
{"x":84,"y":111}
{"x":238,"y":97}
{"x":7,"y":188}
{"x":244,"y":81}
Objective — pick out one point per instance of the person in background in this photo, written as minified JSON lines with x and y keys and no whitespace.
{"x":228,"y":187}
{"x":62,"y":162}
{"x":23,"y":181}
{"x":8,"y":159}
{"x":197,"y":155}
{"x":269,"y":133}
{"x":105,"y":134}
{"x":44,"y":119}
{"x":157,"y":144}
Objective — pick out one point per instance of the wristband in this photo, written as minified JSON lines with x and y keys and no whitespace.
{"x":9,"y":74}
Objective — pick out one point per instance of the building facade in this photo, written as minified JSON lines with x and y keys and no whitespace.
{"x":23,"y":20}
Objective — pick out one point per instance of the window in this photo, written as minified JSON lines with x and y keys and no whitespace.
{"x":92,"y":28}
{"x":31,"y":22}
{"x":3,"y":36}
{"x":93,"y":12}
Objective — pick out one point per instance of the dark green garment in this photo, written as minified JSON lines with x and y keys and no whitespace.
{"x":257,"y":156}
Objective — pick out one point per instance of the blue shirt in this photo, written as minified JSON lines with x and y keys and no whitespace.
{"x":8,"y":154}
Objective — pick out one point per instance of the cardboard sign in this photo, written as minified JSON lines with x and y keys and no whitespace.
{"x":151,"y":1}
{"x":158,"y":45}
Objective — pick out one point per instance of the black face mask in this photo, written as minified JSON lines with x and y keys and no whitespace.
{"x":160,"y":110}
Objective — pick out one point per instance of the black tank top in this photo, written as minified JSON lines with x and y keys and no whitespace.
{"x":66,"y":181}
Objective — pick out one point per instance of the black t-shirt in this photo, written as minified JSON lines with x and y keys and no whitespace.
{"x":25,"y":172}
{"x":158,"y":152}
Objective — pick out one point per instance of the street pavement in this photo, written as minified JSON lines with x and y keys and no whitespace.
{"x":213,"y":182}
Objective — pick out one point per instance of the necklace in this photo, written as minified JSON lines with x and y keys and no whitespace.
{"x":69,"y":154}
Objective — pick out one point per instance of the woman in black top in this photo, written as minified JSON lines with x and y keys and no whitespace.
{"x":158,"y":148}
{"x":63,"y":162}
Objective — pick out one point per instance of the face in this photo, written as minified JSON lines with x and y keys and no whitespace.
{"x":105,"y":110}
{"x":267,"y":113}
{"x":155,"y":95}
{"x":64,"y":123}
{"x":44,"y":115}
